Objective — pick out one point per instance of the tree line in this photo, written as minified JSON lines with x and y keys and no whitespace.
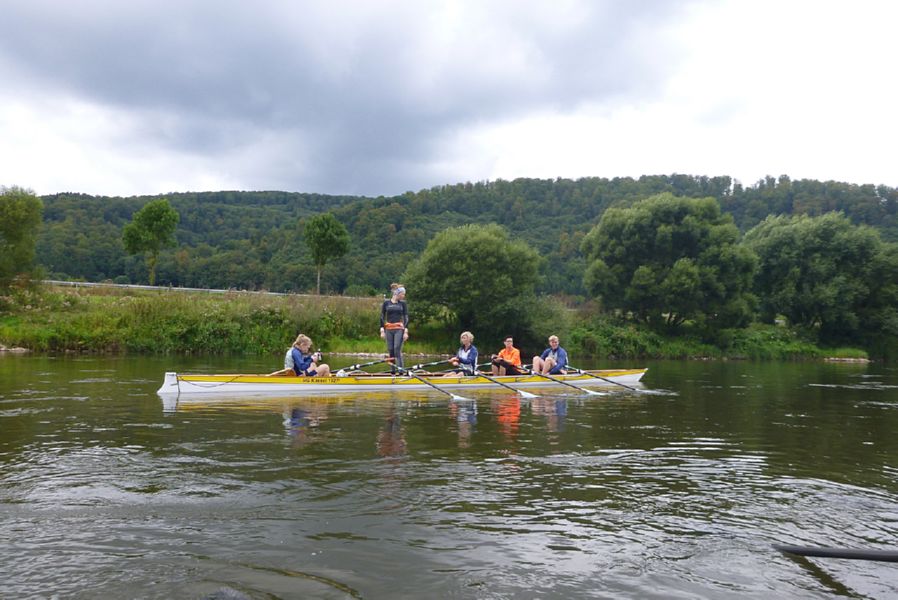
{"x":254,"y":240}
{"x":661,"y":250}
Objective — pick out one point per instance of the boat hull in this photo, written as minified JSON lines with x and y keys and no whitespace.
{"x":180,"y":385}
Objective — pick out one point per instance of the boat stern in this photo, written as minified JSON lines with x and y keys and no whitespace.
{"x":170,"y":387}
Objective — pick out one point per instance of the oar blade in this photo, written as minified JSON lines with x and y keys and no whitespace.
{"x":527,"y":394}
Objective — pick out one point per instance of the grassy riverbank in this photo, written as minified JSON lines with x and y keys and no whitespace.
{"x":116,"y":321}
{"x":103,"y":320}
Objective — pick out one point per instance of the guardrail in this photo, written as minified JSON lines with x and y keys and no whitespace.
{"x":165,"y":288}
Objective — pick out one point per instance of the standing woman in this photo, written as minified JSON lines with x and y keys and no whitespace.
{"x":394,"y":324}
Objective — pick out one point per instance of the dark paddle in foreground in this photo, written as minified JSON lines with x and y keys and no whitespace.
{"x":497,"y":382}
{"x":556,"y":380}
{"x":582,"y":372}
{"x":849,"y":553}
{"x":408,"y":373}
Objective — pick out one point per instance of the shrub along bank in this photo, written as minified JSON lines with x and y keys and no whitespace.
{"x":115,"y":321}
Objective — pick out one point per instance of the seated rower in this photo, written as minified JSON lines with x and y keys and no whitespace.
{"x":508,"y":360}
{"x":301,"y":361}
{"x":465,"y":359}
{"x":552,"y":361}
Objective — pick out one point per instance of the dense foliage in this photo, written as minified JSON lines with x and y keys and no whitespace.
{"x":224,"y":239}
{"x":252,"y":240}
{"x":104,"y":320}
{"x":256,"y":240}
{"x":668,"y":259}
{"x":823,"y":272}
{"x":484,"y":279}
{"x":20,"y":218}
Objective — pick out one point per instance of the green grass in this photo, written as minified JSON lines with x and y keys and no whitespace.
{"x":114,"y":321}
{"x":600,"y":336}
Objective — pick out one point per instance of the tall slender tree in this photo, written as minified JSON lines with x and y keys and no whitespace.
{"x":327,"y":238}
{"x":152,"y":229}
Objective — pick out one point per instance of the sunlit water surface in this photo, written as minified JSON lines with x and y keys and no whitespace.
{"x":678,"y":493}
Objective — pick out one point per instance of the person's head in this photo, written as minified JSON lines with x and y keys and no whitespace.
{"x":398,"y":291}
{"x":303,"y":342}
{"x":508,"y":341}
{"x":553,"y":341}
{"x":466,"y":338}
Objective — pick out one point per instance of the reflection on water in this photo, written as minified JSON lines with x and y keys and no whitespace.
{"x":391,"y":437}
{"x":381,"y":495}
{"x":465,"y":414}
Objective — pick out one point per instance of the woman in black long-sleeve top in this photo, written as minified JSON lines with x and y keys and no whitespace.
{"x":394,"y":323}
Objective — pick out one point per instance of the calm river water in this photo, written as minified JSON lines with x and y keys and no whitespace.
{"x":677,"y":493}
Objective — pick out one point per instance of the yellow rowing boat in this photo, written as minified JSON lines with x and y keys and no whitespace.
{"x":178,"y":385}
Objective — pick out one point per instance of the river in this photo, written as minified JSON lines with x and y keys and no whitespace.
{"x":674,"y":492}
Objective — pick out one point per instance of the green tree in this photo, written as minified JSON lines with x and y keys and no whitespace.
{"x":668,"y":259}
{"x":327,"y":238}
{"x":20,"y":217}
{"x":823,"y":272}
{"x":480,"y":276}
{"x":152,"y":229}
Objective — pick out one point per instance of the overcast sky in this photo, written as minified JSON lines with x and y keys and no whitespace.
{"x":381,"y":97}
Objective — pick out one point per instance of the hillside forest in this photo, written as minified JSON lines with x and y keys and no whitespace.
{"x":610,"y":261}
{"x":254,"y":240}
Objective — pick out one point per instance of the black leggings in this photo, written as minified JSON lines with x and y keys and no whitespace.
{"x":510,"y":369}
{"x":394,"y":344}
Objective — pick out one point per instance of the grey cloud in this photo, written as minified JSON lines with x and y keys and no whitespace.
{"x":360,"y":95}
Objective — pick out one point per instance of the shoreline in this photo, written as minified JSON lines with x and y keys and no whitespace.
{"x":18,"y":350}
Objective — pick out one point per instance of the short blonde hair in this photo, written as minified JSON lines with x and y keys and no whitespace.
{"x":467,"y":334}
{"x":301,"y":338}
{"x":553,"y":337}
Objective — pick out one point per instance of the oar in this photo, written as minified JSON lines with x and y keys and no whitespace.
{"x":582,"y":372}
{"x":550,"y":378}
{"x":436,"y":387}
{"x":430,"y":364}
{"x":497,"y":382}
{"x":368,"y":364}
{"x":850,"y":553}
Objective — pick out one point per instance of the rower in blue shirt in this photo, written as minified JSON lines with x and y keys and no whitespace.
{"x":552,"y":361}
{"x":465,"y":359}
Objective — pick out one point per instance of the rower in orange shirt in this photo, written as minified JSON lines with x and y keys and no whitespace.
{"x":508,"y":361}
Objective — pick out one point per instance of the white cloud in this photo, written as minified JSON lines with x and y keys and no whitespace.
{"x":380,"y":98}
{"x":766,"y":89}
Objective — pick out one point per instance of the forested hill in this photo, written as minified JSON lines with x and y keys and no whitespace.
{"x":252,"y":240}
